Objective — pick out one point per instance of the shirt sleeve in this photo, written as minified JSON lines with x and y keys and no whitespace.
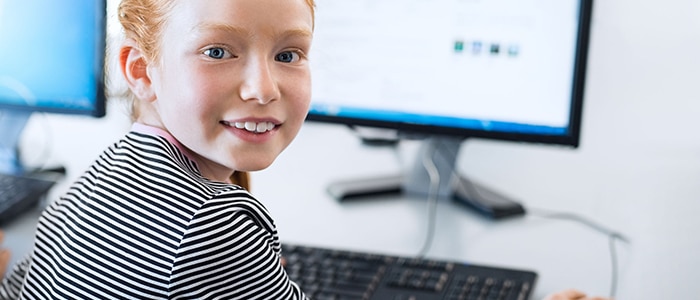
{"x":12,"y":283}
{"x":230,"y":252}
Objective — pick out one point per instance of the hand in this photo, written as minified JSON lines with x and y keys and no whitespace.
{"x":4,"y":258}
{"x":572,"y":294}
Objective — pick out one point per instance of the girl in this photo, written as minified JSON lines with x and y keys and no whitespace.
{"x":218,"y":86}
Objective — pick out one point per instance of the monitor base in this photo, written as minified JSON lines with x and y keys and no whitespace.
{"x":442,"y":151}
{"x":474,"y":196}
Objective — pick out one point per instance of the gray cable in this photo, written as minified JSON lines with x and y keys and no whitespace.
{"x":434,"y":175}
{"x":614,"y":267}
{"x":612,"y":235}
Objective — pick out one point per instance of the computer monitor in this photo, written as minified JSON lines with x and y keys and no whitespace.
{"x":448,"y":70}
{"x":51,"y":60}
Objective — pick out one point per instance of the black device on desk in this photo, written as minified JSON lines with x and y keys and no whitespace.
{"x":326,"y":274}
{"x":20,"y":193}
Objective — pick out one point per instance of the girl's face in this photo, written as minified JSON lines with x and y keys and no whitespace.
{"x":233,"y":83}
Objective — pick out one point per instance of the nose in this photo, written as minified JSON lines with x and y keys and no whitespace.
{"x":259,"y":82}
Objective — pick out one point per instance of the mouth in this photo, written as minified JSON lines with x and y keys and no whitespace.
{"x":254,"y":127}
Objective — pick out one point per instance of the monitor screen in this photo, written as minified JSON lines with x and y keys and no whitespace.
{"x":52,"y":56}
{"x":499,"y":69}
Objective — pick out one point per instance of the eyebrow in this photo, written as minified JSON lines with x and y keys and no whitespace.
{"x":294,"y":32}
{"x":220,"y":27}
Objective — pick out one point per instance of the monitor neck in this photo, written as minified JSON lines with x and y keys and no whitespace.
{"x":12,"y":123}
{"x":437,"y":155}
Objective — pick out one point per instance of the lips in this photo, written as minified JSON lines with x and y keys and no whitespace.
{"x":256,"y":127}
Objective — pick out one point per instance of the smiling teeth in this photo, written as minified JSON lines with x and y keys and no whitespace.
{"x":259,"y":127}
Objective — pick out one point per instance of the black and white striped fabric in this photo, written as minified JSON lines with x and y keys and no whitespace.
{"x":142,"y":223}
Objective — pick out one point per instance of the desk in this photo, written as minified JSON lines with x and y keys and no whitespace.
{"x":649,"y":196}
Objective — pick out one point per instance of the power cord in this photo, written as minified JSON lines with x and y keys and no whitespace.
{"x":432,"y":202}
{"x":382,"y":138}
{"x":613,"y":236}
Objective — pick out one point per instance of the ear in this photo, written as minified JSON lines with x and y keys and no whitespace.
{"x":134,"y":69}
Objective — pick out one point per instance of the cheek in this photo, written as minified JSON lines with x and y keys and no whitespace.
{"x":303,"y":102}
{"x":189,"y":106}
{"x":202,"y":93}
{"x":301,"y":96}
{"x":298,"y":110}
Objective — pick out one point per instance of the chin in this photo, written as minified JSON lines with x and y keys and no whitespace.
{"x":249,"y":166}
{"x":252,"y":159}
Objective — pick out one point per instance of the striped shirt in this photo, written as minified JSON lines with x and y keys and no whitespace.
{"x":142,"y":223}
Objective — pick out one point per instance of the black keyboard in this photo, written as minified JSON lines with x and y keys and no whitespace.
{"x":325,"y":274}
{"x":18,"y":194}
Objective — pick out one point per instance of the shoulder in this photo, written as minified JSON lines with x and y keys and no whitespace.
{"x":232,"y":227}
{"x":230,"y":203}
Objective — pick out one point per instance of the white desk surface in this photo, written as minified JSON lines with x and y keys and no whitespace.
{"x":651,"y":201}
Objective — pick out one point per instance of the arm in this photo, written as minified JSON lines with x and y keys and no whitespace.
{"x":4,"y":257}
{"x":230,"y":255}
{"x":11,"y":285}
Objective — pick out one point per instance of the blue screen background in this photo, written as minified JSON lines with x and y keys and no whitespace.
{"x":50,"y":53}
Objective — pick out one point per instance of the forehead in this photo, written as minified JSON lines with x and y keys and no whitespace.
{"x":255,"y":14}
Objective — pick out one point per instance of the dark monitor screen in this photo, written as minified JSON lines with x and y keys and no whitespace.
{"x":499,"y":69}
{"x":52,"y":56}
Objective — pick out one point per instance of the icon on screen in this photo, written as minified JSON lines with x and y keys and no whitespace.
{"x":495,"y":49}
{"x":476,"y":47}
{"x":513,"y":50}
{"x":459,"y":46}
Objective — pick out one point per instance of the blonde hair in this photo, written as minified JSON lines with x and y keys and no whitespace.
{"x":143,"y":22}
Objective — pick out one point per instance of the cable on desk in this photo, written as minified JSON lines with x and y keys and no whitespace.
{"x":434,"y":175}
{"x":429,"y":165}
{"x":613,"y":262}
{"x":613,"y":236}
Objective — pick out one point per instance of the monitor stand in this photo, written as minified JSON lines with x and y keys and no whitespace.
{"x":12,"y":123}
{"x":443,"y":152}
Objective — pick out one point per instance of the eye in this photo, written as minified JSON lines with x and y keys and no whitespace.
{"x":287,"y":56}
{"x":216,"y":53}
